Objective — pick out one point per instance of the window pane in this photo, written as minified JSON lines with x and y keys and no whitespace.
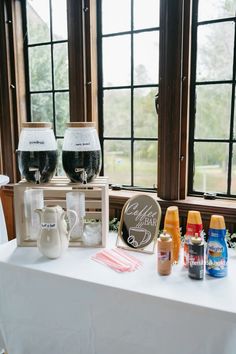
{"x":145,"y":163}
{"x":213,"y":106}
{"x":62,"y":112}
{"x":116,"y":61}
{"x":233,"y":179}
{"x":117,"y":108}
{"x":234,"y":116}
{"x":146,"y":66}
{"x":211,"y":167}
{"x":146,"y":13}
{"x":145,"y":116}
{"x":41,"y":107}
{"x":60,"y":171}
{"x":214,"y":9}
{"x":60,"y":55}
{"x":215,"y":51}
{"x":116,"y":16}
{"x":59,"y":20}
{"x":117,"y":161}
{"x":38,"y":21}
{"x":40,"y":68}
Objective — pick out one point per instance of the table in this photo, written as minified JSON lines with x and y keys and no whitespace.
{"x":74,"y":305}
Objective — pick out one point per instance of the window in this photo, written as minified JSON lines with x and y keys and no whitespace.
{"x":213,"y":111}
{"x":128,"y":142}
{"x":129,"y":38}
{"x":46,"y":49}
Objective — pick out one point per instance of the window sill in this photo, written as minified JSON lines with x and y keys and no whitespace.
{"x":207,"y":207}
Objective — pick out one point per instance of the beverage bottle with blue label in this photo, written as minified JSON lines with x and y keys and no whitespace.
{"x":217,"y":251}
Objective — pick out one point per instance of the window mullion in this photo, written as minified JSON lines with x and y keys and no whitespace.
{"x":76,"y":52}
{"x":170,"y":98}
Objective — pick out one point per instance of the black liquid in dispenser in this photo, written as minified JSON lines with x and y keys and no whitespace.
{"x":81,"y":166}
{"x":81,"y":152}
{"x":37,"y":166}
{"x":37,"y":152}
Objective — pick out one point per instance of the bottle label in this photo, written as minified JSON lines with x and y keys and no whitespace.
{"x":217,"y":233}
{"x":217,"y":255}
{"x":192,"y":229}
{"x":196,"y":261}
{"x":164,"y":256}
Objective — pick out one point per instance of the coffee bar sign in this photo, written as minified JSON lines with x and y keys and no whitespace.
{"x":139,"y":224}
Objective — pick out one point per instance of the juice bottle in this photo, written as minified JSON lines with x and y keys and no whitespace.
{"x":194,"y":226}
{"x":171,"y":225}
{"x":217,"y":251}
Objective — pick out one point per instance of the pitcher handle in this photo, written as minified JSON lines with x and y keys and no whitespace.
{"x":68,"y":211}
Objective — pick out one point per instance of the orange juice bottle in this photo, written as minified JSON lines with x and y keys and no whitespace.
{"x":194,"y":226}
{"x":171,"y":225}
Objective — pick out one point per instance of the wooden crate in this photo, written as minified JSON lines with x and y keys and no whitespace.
{"x":96,"y":204}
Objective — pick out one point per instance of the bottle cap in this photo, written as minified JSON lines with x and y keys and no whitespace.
{"x":217,"y":222}
{"x":194,"y":217}
{"x":172,"y":214}
{"x":196,"y":240}
{"x":164,"y":236}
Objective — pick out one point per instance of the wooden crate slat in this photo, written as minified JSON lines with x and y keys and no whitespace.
{"x":60,"y":193}
{"x":93,"y":215}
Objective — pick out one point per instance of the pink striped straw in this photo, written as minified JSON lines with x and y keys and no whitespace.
{"x":127,"y":256}
{"x":118,"y":260}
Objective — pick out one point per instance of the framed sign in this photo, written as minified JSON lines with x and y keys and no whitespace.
{"x":139,"y":224}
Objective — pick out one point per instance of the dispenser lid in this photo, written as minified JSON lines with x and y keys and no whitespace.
{"x":194,"y":217}
{"x":172,"y":215}
{"x":36,"y":125}
{"x":217,"y":222}
{"x":80,"y":125}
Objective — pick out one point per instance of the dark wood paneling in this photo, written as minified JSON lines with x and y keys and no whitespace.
{"x":185,"y":98}
{"x":8,"y":208}
{"x":76,"y":52}
{"x":8,"y":103}
{"x":170,"y":98}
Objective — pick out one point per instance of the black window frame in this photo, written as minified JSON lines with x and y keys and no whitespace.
{"x":231,"y":141}
{"x":132,"y":87}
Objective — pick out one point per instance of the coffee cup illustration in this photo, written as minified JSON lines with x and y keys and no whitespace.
{"x":138,"y":237}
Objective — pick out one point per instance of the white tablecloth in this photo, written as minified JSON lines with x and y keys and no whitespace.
{"x":73,"y":305}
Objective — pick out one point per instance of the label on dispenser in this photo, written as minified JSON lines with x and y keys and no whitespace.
{"x":37,"y":140}
{"x":81,"y":139}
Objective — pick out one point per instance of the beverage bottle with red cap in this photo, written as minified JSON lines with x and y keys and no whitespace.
{"x":193,"y":228}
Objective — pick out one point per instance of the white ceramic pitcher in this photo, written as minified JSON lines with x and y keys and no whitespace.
{"x":54,"y":238}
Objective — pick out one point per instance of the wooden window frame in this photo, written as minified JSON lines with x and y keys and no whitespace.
{"x":173,"y":96}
